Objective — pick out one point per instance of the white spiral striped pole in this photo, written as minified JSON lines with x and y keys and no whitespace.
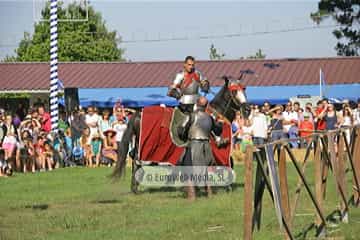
{"x":54,"y":111}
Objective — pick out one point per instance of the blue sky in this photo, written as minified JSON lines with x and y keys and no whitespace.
{"x":138,"y":21}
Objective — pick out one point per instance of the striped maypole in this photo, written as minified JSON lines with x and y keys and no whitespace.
{"x":54,"y":111}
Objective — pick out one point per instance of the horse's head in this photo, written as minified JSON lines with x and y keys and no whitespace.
{"x":232,"y":98}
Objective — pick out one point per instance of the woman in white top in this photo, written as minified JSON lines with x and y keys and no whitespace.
{"x":92,"y":121}
{"x":347,"y":121}
{"x":119,"y":126}
{"x":104,"y":122}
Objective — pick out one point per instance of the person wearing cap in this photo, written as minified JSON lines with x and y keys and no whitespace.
{"x":276,"y":129}
{"x":306,"y":128}
{"x":110,"y":147}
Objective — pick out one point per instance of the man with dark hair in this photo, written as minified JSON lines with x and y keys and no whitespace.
{"x":296,"y":106}
{"x":290,"y":123}
{"x":186,"y":84}
{"x":78,"y":124}
{"x":320,"y":114}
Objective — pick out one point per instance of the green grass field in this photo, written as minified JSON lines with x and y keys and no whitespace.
{"x":82,"y":203}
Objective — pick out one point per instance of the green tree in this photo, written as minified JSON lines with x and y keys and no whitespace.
{"x":77,"y":41}
{"x":214,"y":54}
{"x":347,"y":14}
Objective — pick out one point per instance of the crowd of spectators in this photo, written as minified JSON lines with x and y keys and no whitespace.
{"x":85,"y":137}
{"x":292,"y":122}
{"x":91,"y":137}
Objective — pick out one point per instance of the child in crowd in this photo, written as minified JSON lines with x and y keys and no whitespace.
{"x":9,"y":142}
{"x":39,"y":153}
{"x":247,"y":135}
{"x":5,"y":168}
{"x":68,"y":141}
{"x":96,"y":145}
{"x":109,"y":150}
{"x":306,"y":128}
{"x":28,"y":155}
{"x":48,"y":155}
{"x":85,"y":143}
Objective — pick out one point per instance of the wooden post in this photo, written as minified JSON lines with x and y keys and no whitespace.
{"x":248,"y":193}
{"x":342,"y":177}
{"x":356,"y":159}
{"x":318,"y":180}
{"x":284,"y":190}
{"x":325,"y":161}
{"x":335,"y":166}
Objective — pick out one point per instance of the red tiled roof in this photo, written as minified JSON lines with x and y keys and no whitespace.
{"x":267,"y":72}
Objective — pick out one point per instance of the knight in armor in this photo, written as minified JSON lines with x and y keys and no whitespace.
{"x":198,"y":129}
{"x":186,"y":86}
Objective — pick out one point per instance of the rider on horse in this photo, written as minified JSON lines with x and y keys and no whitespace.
{"x":186,"y":84}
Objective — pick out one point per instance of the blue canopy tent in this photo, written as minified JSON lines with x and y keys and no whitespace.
{"x":140,"y":97}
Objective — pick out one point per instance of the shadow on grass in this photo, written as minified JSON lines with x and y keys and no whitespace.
{"x":229,"y":188}
{"x":107,"y":201}
{"x":38,"y":206}
{"x":162,"y":189}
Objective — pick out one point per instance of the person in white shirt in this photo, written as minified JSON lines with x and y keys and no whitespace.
{"x":92,"y":120}
{"x":119,"y":126}
{"x":259,"y":127}
{"x":290,"y":123}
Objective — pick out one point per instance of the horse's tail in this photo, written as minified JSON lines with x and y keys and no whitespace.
{"x":119,"y":169}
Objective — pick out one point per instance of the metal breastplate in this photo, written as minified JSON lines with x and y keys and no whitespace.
{"x":201,"y":127}
{"x":193,"y":88}
{"x":190,"y":93}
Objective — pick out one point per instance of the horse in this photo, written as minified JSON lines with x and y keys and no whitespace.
{"x":230,"y":99}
